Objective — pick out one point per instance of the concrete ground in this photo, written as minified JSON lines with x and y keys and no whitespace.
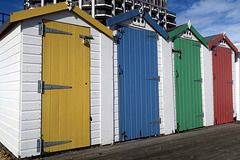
{"x":220,"y":142}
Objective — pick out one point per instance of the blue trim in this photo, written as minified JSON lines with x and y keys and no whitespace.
{"x":156,"y":26}
{"x":122,"y":17}
{"x":134,"y":13}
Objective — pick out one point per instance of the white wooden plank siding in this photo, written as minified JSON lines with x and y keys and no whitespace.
{"x":237,"y":90}
{"x":10,"y":55}
{"x":160,"y":84}
{"x":31,"y":100}
{"x":207,"y":85}
{"x":95,"y":88}
{"x":115,"y":91}
{"x":167,"y":90}
{"x":234,"y":83}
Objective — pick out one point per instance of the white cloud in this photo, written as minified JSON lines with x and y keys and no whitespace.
{"x":211,"y":17}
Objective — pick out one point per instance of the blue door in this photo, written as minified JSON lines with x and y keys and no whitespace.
{"x":138,"y":84}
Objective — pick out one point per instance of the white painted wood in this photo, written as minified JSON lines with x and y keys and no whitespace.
{"x":207,"y":86}
{"x":237,"y":91}
{"x":10,"y":86}
{"x":9,"y":69}
{"x":10,"y":49}
{"x":31,"y":106}
{"x":234,"y":83}
{"x":28,"y":135}
{"x":182,"y":35}
{"x":115,"y":90}
{"x":130,"y":23}
{"x":31,"y":125}
{"x":106,"y":90}
{"x":10,"y":61}
{"x":167,"y":90}
{"x":31,"y":115}
{"x":160,"y":85}
{"x":10,"y":52}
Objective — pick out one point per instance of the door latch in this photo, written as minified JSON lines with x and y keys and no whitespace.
{"x":177,"y":51}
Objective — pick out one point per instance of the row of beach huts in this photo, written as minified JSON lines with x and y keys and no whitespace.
{"x":67,"y":81}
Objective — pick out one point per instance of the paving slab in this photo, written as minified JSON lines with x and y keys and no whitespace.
{"x":216,"y":142}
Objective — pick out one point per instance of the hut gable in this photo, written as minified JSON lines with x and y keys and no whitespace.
{"x":187,"y":31}
{"x":137,"y":19}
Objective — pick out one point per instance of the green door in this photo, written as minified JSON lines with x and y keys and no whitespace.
{"x":188,"y":87}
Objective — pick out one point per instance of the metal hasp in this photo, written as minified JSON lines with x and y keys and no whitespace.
{"x":43,"y":29}
{"x":177,"y":51}
{"x":215,"y":51}
{"x":156,"y":121}
{"x":200,"y":115}
{"x":231,"y":82}
{"x":85,"y":37}
{"x":155,"y":78}
{"x":198,"y":80}
{"x":198,"y":45}
{"x":42,"y":86}
{"x":231,"y":111}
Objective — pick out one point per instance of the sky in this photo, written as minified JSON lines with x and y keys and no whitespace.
{"x":209,"y":17}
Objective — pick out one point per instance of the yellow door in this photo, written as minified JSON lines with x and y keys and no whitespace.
{"x":66,"y":112}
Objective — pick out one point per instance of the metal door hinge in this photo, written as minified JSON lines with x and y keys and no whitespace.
{"x":231,"y":111}
{"x":123,"y":135}
{"x":152,"y":36}
{"x":200,"y":115}
{"x":43,"y":29}
{"x":120,"y":30}
{"x":198,"y":45}
{"x":155,"y":78}
{"x":116,"y":38}
{"x":229,"y":51}
{"x":198,"y":80}
{"x":54,"y":143}
{"x":156,"y":121}
{"x":42,"y":86}
{"x":215,"y":51}
{"x":85,"y":37}
{"x":39,"y":145}
{"x":231,"y":82}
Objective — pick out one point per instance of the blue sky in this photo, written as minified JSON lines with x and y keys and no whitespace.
{"x":8,"y":6}
{"x":209,"y":17}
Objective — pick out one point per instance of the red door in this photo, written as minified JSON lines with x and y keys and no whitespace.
{"x":222,"y":85}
